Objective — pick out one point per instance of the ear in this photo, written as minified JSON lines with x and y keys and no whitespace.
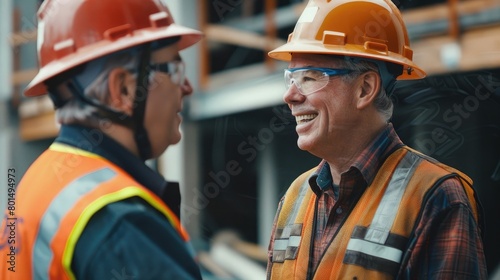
{"x":370,"y":87}
{"x":121,"y":92}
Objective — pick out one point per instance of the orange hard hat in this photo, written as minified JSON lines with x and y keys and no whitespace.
{"x":73,"y":32}
{"x":370,"y":29}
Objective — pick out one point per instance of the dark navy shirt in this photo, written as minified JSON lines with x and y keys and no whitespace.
{"x":129,"y":239}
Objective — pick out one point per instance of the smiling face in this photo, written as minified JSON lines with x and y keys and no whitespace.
{"x":327,"y":117}
{"x":162,"y":118}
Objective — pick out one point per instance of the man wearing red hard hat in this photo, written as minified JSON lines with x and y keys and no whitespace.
{"x":374,"y":208}
{"x":88,"y":207}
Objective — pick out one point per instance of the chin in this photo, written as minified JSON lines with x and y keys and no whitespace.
{"x":176,"y":138}
{"x":163,"y":145}
{"x":304,"y":144}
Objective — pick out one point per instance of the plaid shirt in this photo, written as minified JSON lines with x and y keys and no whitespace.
{"x":447,"y":242}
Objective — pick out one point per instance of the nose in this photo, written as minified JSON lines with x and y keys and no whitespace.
{"x":186,"y":88}
{"x":292,"y":95}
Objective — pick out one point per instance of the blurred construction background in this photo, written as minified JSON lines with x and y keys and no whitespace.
{"x":238,"y":154}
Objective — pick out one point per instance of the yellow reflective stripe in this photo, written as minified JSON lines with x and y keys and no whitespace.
{"x":58,"y":147}
{"x":60,"y":205}
{"x":98,"y":204}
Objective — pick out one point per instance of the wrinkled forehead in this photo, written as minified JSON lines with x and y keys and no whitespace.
{"x":315,"y":60}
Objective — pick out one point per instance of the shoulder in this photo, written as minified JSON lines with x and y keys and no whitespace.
{"x":449,"y":192}
{"x":434,"y":166}
{"x":441,"y":177}
{"x":121,"y":232}
{"x":449,"y":200}
{"x":445,"y":186}
{"x":133,"y":213}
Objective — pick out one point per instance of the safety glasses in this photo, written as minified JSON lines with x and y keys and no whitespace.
{"x":175,"y":69}
{"x":311,"y":79}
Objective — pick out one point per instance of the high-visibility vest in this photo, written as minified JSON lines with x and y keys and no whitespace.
{"x":55,"y":200}
{"x":372,"y":241}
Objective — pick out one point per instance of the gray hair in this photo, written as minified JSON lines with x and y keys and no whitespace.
{"x":76,"y":111}
{"x":383,"y":103}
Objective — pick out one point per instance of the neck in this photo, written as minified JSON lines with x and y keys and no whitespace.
{"x":346,"y":150}
{"x":122,"y":135}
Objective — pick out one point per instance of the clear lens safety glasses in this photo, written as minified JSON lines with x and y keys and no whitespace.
{"x":311,"y":79}
{"x":175,"y":69}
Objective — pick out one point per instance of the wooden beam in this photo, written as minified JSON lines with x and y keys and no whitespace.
{"x":479,"y":49}
{"x":229,"y":35}
{"x":204,"y":49}
{"x":39,"y":127}
{"x":16,"y":59}
{"x":271,"y":33}
{"x":240,"y":74}
{"x":32,"y":107}
{"x":454,"y":28}
{"x":442,"y":11}
{"x":23,"y":76}
{"x":23,"y":37}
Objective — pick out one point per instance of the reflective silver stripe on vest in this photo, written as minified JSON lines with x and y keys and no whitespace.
{"x":382,"y":222}
{"x":57,"y":210}
{"x":376,"y":250}
{"x":282,"y":244}
{"x":287,"y":239}
{"x":374,"y":242}
{"x":298,"y":202}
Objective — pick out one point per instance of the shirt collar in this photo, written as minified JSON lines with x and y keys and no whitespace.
{"x":367,"y":163}
{"x":97,"y":142}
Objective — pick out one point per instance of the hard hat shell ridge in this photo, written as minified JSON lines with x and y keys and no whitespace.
{"x":371,"y":29}
{"x":73,"y":32}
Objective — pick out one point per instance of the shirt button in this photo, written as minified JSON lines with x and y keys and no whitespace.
{"x":339,"y":210}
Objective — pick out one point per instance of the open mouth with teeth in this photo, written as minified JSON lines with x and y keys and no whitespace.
{"x":305,"y":118}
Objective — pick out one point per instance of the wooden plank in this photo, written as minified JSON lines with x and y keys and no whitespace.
{"x":425,"y":14}
{"x":224,"y":78}
{"x":204,"y":49}
{"x":23,"y":37}
{"x":442,"y":11}
{"x":34,"y":106}
{"x":271,"y":32}
{"x":229,"y":35}
{"x":23,"y":76}
{"x":39,"y":127}
{"x":16,"y":59}
{"x":479,"y":49}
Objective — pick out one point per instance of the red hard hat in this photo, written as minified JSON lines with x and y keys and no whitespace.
{"x":371,"y":29}
{"x":72,"y":32}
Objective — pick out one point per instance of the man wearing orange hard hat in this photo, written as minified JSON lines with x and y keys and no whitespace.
{"x":89,"y":207}
{"x":373,"y":208}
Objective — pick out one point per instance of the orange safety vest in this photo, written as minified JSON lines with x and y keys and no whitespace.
{"x":372,"y":241}
{"x":55,"y":200}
